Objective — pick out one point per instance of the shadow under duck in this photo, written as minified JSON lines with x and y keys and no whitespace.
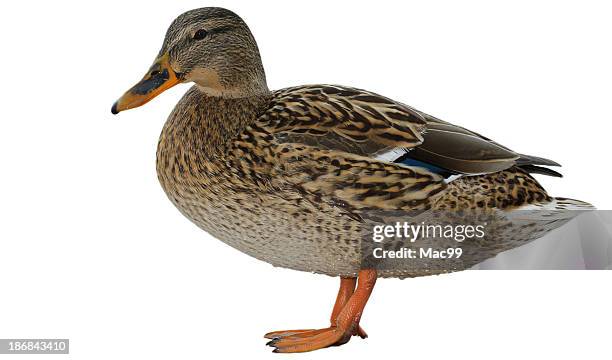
{"x":295,"y":177}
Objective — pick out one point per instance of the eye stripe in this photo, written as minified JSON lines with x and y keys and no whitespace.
{"x":202,"y":33}
{"x":222,"y":29}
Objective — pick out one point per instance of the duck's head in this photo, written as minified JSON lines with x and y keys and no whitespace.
{"x":212,"y":47}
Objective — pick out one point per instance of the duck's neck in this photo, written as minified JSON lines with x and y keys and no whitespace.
{"x":207,"y":124}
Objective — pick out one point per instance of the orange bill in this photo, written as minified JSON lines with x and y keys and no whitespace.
{"x":160,"y":78}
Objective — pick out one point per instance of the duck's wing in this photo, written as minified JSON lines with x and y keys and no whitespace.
{"x":463,"y":151}
{"x":367,"y":124}
{"x":330,"y":140}
{"x":343,"y":118}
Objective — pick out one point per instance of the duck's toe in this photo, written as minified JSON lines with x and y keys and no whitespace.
{"x":275,"y":335}
{"x":360,"y":332}
{"x":307,"y":340}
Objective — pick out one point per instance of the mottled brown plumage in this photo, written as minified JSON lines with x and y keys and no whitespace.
{"x":258,"y":173}
{"x":296,"y":177}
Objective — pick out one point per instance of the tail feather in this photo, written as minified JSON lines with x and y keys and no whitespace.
{"x":534,"y":169}
{"x":558,"y":211}
{"x":535,"y":160}
{"x":535,"y":165}
{"x":572,"y":204}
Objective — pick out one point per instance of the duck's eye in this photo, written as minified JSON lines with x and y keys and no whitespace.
{"x":200,"y":34}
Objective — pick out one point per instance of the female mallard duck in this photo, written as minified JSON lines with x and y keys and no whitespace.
{"x":292,"y":177}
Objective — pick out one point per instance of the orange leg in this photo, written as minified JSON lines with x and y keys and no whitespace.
{"x":347,"y":288}
{"x":344,"y":319}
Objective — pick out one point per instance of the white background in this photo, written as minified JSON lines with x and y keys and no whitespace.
{"x":92,"y":250}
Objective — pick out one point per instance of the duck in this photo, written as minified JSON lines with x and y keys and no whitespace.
{"x":295,"y":177}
